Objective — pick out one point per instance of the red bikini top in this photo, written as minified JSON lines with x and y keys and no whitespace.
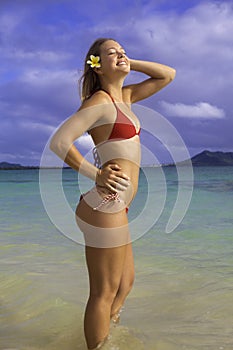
{"x":123,"y":127}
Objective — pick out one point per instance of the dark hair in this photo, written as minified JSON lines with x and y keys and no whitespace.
{"x":89,"y":82}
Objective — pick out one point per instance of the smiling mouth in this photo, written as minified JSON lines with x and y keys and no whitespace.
{"x":122,"y":63}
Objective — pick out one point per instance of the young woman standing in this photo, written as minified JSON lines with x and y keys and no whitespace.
{"x":101,"y":214}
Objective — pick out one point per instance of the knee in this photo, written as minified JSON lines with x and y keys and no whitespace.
{"x":105,"y":296}
{"x":127,"y":285}
{"x":131,"y":279}
{"x":130,"y":283}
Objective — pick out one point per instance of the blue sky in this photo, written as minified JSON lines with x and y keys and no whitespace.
{"x":43,"y":44}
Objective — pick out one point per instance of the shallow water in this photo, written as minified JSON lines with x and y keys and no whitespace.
{"x":182,"y":296}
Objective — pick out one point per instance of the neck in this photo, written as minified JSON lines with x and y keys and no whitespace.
{"x":114,"y":89}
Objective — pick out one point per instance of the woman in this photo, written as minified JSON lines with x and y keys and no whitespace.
{"x":102,"y":212}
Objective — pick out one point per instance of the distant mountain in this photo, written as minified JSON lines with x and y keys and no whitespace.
{"x":208,"y":158}
{"x":13,"y":166}
{"x":205,"y":158}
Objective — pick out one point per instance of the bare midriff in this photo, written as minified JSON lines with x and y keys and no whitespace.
{"x":126,"y":154}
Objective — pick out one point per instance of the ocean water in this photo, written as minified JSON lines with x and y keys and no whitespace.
{"x":183,"y":292}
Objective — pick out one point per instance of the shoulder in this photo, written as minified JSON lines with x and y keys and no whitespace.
{"x":98,"y":98}
{"x":98,"y":108}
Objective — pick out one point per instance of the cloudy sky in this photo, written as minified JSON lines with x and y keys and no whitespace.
{"x":43,"y":44}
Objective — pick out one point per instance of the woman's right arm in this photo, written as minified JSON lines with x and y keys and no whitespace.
{"x":62,"y":143}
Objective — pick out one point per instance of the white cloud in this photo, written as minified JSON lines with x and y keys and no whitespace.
{"x":85,"y":141}
{"x":8,"y":22}
{"x":195,"y":33}
{"x":201,"y":110}
{"x":39,"y":127}
{"x":48,"y":77}
{"x":39,"y":55}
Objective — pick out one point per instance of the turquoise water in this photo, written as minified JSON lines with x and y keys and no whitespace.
{"x":182,"y":296}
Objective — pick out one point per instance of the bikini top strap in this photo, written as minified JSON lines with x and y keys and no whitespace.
{"x":109,"y":95}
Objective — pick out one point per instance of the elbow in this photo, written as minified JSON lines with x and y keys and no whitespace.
{"x":172,"y":74}
{"x":56,"y":146}
{"x":168,"y":76}
{"x":60,"y":146}
{"x":53,"y":145}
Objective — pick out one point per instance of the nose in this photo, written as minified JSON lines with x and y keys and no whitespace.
{"x":121,"y":54}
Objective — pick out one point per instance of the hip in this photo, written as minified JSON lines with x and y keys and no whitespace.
{"x":99,"y":199}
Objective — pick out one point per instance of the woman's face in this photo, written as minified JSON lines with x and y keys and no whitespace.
{"x":113,"y":58}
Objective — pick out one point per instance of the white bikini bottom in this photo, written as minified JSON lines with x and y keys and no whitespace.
{"x":98,"y":199}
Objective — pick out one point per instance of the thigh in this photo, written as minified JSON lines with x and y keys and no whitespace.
{"x":101,"y":229}
{"x":128,"y":270}
{"x":105,"y":267}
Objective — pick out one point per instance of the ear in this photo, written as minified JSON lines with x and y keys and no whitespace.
{"x":98,"y":71}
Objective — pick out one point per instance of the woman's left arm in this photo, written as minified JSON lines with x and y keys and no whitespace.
{"x":160,"y":76}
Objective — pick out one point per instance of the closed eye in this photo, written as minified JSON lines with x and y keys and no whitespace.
{"x":112,"y":52}
{"x":115,"y":52}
